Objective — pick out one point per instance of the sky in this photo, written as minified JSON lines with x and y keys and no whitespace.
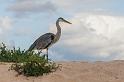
{"x":96,"y":32}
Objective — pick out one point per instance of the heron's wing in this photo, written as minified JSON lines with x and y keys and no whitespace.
{"x":43,"y":41}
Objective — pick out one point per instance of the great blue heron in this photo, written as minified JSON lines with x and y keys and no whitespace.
{"x":46,"y":40}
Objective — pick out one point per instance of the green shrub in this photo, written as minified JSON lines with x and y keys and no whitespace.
{"x":27,"y":63}
{"x":13,"y":55}
{"x":16,"y":55}
{"x":34,"y":67}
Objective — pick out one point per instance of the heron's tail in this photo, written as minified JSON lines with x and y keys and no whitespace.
{"x":31,"y":47}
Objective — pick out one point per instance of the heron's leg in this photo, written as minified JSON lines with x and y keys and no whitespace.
{"x":47,"y":54}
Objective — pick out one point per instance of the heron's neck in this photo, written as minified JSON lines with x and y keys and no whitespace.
{"x":58,"y":34}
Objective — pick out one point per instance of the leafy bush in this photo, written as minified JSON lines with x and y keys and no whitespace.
{"x":13,"y":55}
{"x":34,"y":68}
{"x":27,"y":63}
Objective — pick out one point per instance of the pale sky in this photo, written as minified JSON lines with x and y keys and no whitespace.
{"x":96,"y":32}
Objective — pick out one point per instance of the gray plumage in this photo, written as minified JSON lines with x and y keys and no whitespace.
{"x":48,"y":39}
{"x":43,"y":42}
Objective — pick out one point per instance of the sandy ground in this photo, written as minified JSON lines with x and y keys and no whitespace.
{"x":112,"y":71}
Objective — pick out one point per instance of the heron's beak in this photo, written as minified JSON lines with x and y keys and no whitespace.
{"x":67,"y":21}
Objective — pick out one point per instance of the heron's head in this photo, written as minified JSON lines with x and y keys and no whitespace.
{"x":63,"y":20}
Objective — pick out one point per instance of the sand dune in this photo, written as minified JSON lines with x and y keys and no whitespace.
{"x":112,"y":71}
